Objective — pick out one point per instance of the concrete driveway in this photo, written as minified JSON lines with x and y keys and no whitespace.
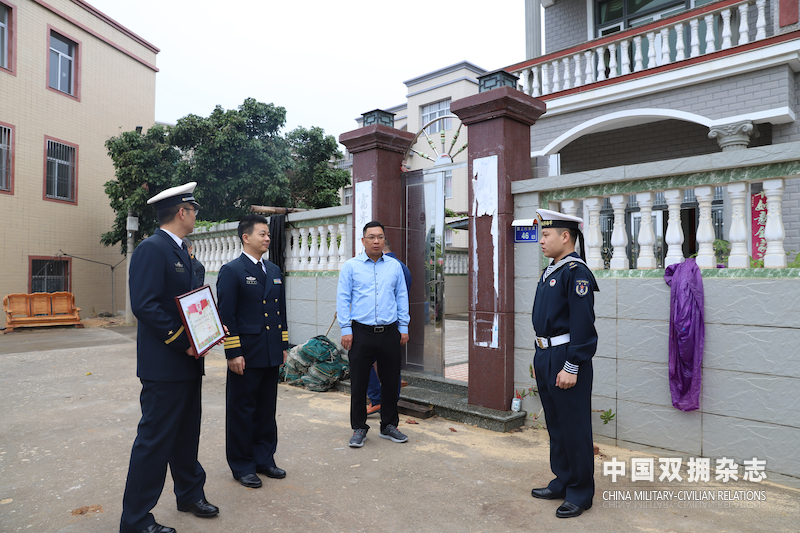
{"x":69,"y":412}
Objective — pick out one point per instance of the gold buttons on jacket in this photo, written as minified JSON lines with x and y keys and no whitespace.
{"x":276,"y":300}
{"x":279,"y":313}
{"x":263,"y":301}
{"x":267,"y":327}
{"x":279,"y":326}
{"x":266,"y":314}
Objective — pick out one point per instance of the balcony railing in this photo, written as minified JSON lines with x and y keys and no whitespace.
{"x":692,"y":34}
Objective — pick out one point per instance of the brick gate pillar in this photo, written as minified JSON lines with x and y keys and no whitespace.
{"x":499,"y":127}
{"x":378,"y":191}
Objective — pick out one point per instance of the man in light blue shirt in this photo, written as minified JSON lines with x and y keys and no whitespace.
{"x":372,"y":306}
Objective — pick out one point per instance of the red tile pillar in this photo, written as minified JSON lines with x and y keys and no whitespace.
{"x":378,"y":152}
{"x":499,"y":124}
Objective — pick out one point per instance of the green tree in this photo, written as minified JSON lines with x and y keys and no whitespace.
{"x":313,"y":181}
{"x":237,"y":157}
{"x":144,"y":164}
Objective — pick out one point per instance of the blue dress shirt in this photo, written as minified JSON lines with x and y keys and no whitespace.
{"x":372,"y":293}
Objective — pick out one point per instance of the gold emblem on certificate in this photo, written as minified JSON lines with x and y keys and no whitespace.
{"x":201,"y":318}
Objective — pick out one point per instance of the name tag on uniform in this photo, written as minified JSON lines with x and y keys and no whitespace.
{"x":250,"y":280}
{"x":277,"y":281}
{"x":179,"y":267}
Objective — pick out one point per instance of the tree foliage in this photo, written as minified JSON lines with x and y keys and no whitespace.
{"x":144,"y":163}
{"x":313,"y":182}
{"x":238,"y":158}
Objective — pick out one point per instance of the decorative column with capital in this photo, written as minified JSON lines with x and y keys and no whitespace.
{"x":499,"y":122}
{"x":734,"y":136}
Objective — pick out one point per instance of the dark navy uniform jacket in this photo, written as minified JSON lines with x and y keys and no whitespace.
{"x":161,"y":270}
{"x":565,"y":304}
{"x":253,"y":307}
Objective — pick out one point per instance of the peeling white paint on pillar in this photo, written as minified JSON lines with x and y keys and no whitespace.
{"x":485,"y":201}
{"x":363,"y":208}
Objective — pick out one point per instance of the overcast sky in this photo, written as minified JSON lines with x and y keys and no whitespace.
{"x":325,"y":61}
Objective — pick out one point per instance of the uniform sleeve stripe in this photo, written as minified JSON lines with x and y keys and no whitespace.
{"x":571,"y":368}
{"x":232,"y":339}
{"x":177,"y":334}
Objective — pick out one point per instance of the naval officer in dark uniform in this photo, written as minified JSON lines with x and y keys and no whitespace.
{"x":169,"y":369}
{"x":252,"y":305}
{"x":566,"y":340}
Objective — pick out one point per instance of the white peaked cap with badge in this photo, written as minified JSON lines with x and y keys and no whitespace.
{"x":558,"y":220}
{"x":174,"y":196}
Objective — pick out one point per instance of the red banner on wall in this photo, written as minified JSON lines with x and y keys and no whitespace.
{"x":758,"y":204}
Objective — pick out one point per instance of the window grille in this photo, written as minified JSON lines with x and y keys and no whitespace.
{"x":60,"y":171}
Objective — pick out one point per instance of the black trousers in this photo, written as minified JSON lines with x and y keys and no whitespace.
{"x":251,"y":433}
{"x":168,"y":434}
{"x":568,"y":414}
{"x":367,"y":348}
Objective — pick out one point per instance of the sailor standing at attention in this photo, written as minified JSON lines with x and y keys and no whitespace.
{"x":566,"y":340}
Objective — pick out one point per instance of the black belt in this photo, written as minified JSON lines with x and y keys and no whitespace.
{"x":375,"y":329}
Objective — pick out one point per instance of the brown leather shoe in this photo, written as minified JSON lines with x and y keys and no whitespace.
{"x":373,"y":409}
{"x":403,"y":383}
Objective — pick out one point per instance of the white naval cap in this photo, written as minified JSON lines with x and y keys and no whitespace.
{"x":554,"y":219}
{"x":174,"y":196}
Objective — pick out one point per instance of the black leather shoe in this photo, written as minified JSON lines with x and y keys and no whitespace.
{"x":201,"y":508}
{"x":158,"y":528}
{"x":546,"y":494}
{"x":251,"y":481}
{"x":568,"y":510}
{"x":274,"y":472}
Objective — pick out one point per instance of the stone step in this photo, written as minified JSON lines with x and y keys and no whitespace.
{"x":448,"y":399}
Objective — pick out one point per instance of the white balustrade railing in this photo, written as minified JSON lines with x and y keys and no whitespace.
{"x":216,"y":245}
{"x":316,"y":248}
{"x":455,"y":263}
{"x":655,"y":46}
{"x":645,"y":239}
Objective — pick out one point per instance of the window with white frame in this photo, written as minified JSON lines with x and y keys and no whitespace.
{"x":436,"y":110}
{"x":62,"y":63}
{"x":448,"y":184}
{"x":448,"y":237}
{"x":347,"y":196}
{"x":5,"y":32}
{"x":60,"y":171}
{"x":5,"y":158}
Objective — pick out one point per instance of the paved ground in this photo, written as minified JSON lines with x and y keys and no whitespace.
{"x":69,"y":413}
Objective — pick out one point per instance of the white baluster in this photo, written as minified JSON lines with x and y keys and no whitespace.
{"x":567,"y":75}
{"x":545,"y":79}
{"x":619,"y":236}
{"x":230,"y":248}
{"x":647,"y":237}
{"x":711,"y":45}
{"x":744,"y":24}
{"x":333,"y":259}
{"x":601,"y":63}
{"x":761,"y":21}
{"x":212,"y":255}
{"x":737,"y":235}
{"x":726,"y":29}
{"x":343,"y":250}
{"x":556,"y":76}
{"x":594,"y":239}
{"x":237,"y":247}
{"x":774,"y":233}
{"x":651,"y":50}
{"x":448,"y":264}
{"x":637,"y":53}
{"x":589,"y":70}
{"x":313,"y":258}
{"x":695,"y":38}
{"x":578,"y":74}
{"x":323,"y":248}
{"x":535,"y":91}
{"x":295,"y":263}
{"x":679,"y":45}
{"x":705,"y":228}
{"x":569,"y":207}
{"x":625,"y":56}
{"x":665,"y":46}
{"x":524,"y":73}
{"x":612,"y":60}
{"x":198,"y":244}
{"x":674,"y":237}
{"x":302,"y":250}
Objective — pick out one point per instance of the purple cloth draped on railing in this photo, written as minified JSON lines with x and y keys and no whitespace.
{"x":686,"y":334}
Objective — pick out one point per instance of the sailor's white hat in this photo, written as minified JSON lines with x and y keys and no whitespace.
{"x":554,"y":219}
{"x":174,"y":196}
